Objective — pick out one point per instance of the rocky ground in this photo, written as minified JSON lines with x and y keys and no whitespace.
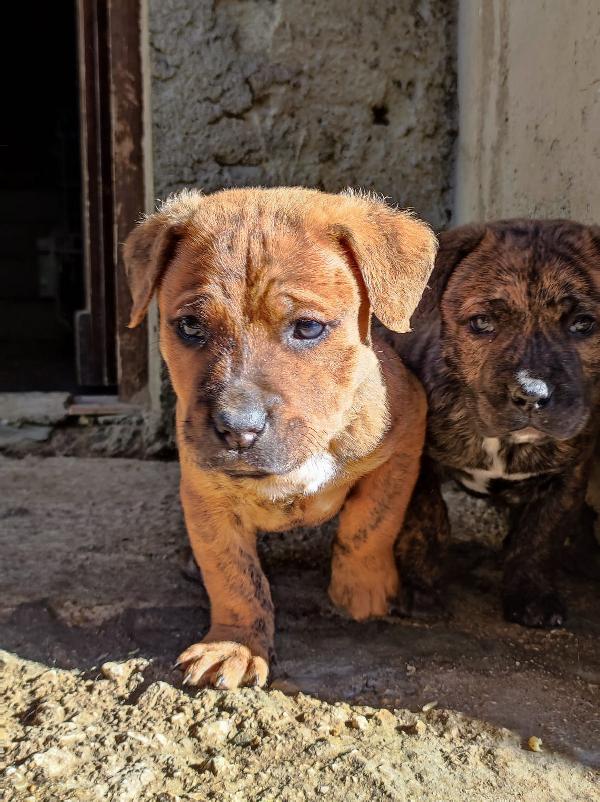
{"x":94,"y":606}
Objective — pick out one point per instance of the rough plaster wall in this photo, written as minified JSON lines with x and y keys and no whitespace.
{"x":326,"y":94}
{"x":529,"y":109}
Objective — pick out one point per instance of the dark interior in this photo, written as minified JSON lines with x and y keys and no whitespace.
{"x":41,"y":262}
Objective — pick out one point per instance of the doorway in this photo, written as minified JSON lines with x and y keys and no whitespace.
{"x":69,"y":194}
{"x":41,"y":276}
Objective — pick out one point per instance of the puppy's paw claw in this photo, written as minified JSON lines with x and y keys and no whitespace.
{"x":545,"y":610}
{"x":225,"y":665}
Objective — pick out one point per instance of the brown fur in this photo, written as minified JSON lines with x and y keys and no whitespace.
{"x":532,"y":279}
{"x":247,"y":264}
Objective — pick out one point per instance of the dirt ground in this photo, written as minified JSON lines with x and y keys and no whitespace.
{"x":94,"y":607}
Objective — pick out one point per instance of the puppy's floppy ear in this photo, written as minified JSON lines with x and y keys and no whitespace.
{"x":147,"y":252}
{"x":393,"y":251}
{"x":151,"y":246}
{"x":455,"y":244}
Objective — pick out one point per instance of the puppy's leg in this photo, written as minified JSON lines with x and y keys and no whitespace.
{"x":538,"y":531}
{"x":421,"y":547}
{"x":364,"y":578}
{"x":582,"y":550}
{"x":236,"y":649}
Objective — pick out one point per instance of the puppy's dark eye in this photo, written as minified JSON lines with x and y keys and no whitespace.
{"x":482,"y":324}
{"x":191,"y":329}
{"x":582,"y":325}
{"x":308,"y":329}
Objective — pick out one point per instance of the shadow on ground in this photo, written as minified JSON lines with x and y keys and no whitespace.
{"x":92,"y":571}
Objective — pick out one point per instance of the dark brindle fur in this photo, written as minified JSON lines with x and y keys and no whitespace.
{"x":507,"y":344}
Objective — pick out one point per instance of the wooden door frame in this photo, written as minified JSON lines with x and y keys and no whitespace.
{"x":112,"y":157}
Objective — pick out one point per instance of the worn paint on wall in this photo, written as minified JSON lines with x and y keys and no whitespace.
{"x":529,"y":109}
{"x":332,"y":94}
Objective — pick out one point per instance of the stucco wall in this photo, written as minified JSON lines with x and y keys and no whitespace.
{"x":325,"y":94}
{"x":529,"y":109}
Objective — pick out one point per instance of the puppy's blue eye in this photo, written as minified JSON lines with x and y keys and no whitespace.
{"x":191,"y":329}
{"x":482,"y":324}
{"x":582,"y":325}
{"x":308,"y":329}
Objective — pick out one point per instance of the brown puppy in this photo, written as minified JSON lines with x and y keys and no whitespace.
{"x":507,"y":344}
{"x":286,"y":413}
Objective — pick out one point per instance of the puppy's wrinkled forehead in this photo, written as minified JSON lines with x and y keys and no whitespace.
{"x":263,"y":267}
{"x":524,"y":272}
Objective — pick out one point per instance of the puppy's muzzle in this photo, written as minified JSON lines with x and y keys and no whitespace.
{"x":239,"y":417}
{"x":530,"y":393}
{"x":240,"y":428}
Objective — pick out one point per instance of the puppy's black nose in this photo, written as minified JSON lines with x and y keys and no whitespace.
{"x":529,"y":392}
{"x":240,"y":428}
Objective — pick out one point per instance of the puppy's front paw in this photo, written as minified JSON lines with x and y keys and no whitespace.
{"x":363,"y":590}
{"x":422,"y":601}
{"x":223,"y":664}
{"x":535,"y":609}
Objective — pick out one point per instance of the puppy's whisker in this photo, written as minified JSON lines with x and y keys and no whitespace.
{"x":313,"y":443}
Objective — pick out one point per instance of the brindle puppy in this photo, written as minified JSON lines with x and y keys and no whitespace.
{"x":287,"y":411}
{"x":507,"y":344}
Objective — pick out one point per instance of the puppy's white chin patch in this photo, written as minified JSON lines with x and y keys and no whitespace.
{"x":306,"y":480}
{"x":528,"y":435}
{"x":314,"y":473}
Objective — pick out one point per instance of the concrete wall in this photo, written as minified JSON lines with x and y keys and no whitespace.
{"x":529,"y":109}
{"x":322,"y":93}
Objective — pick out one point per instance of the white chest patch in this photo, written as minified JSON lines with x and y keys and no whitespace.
{"x":478,"y":478}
